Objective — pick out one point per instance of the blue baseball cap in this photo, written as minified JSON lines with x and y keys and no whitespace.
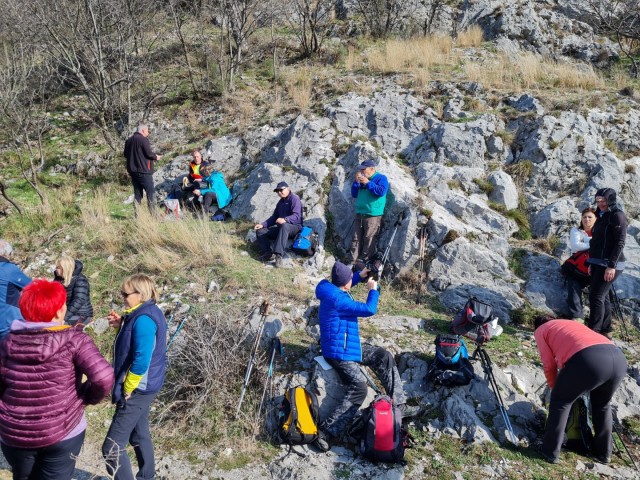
{"x":367,"y":164}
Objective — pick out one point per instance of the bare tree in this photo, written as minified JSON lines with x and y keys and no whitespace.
{"x":433,"y":9}
{"x":179,"y":14}
{"x":311,"y":19}
{"x":99,"y":47}
{"x":240,"y":20}
{"x":381,"y":16}
{"x":620,"y":19}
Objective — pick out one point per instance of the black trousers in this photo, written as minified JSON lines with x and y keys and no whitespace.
{"x":597,"y":370}
{"x":384,"y":366}
{"x":280,"y":233}
{"x":55,"y":462}
{"x":143,"y":182}
{"x":130,"y":425}
{"x":600,"y":307}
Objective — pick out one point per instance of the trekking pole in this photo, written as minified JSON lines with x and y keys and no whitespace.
{"x":370,"y":380}
{"x":173,"y":313}
{"x":276,"y":347}
{"x":485,"y":361}
{"x":617,"y":311}
{"x":423,"y":245}
{"x":385,"y":255}
{"x":617,"y":432}
{"x":175,"y":334}
{"x":264,"y":312}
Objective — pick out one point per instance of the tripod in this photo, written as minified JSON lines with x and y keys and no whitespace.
{"x":481,"y":354}
{"x":385,"y":255}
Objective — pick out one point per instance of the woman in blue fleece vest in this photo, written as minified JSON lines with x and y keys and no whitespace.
{"x":139,"y":363}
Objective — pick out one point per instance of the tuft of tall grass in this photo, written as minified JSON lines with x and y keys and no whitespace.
{"x":98,"y":229}
{"x":470,"y":37}
{"x":299,"y":87}
{"x":410,"y":55}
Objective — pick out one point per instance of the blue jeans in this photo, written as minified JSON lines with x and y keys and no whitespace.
{"x":55,"y":462}
{"x":130,"y":425}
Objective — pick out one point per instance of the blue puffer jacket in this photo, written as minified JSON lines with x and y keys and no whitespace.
{"x":217,"y":186}
{"x":339,"y":312}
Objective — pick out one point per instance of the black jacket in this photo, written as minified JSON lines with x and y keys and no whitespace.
{"x":609,"y":233}
{"x":139,"y":155}
{"x":78,"y":294}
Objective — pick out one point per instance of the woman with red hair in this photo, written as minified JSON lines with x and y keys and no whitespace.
{"x":42,"y":392}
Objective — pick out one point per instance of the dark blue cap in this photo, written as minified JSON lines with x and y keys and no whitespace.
{"x":367,"y":163}
{"x":280,"y":186}
{"x":340,"y":274}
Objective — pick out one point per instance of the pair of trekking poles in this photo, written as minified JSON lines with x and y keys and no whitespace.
{"x":276,"y":347}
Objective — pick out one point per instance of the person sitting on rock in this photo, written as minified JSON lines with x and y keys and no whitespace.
{"x":12,"y":281}
{"x":69,"y":273}
{"x":216,"y":189}
{"x":193,"y":181}
{"x":577,"y":360}
{"x":284,"y":224}
{"x":370,"y":190}
{"x":341,"y":348}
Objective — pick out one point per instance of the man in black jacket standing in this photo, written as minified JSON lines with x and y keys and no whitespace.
{"x":140,"y":158}
{"x":606,"y":258}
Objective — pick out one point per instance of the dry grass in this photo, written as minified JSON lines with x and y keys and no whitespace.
{"x":163,"y":246}
{"x":299,"y":84}
{"x":531,"y":72}
{"x":411,"y":55}
{"x":351,"y":59}
{"x":98,"y":229}
{"x":470,"y":37}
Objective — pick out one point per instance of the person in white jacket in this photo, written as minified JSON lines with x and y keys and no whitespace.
{"x":579,"y":238}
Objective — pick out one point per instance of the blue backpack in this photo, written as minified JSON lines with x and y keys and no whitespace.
{"x":305,"y":242}
{"x":451,"y":365}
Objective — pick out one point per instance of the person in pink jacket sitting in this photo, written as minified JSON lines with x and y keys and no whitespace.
{"x":577,"y":361}
{"x":43,"y":363}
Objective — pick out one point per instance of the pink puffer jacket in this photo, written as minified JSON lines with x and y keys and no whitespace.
{"x":42,"y":396}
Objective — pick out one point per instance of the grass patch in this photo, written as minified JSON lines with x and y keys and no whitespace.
{"x":516,"y":262}
{"x":484,"y":185}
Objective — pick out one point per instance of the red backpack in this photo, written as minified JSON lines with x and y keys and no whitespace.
{"x":383,"y":437}
{"x":576,"y":265}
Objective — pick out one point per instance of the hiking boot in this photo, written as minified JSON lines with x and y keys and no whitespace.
{"x":604,"y":459}
{"x":547,"y":457}
{"x":410,"y":411}
{"x":322,"y":442}
{"x":279,"y":261}
{"x":267,"y":257}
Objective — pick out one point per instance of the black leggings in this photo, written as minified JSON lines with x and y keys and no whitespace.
{"x":597,"y":370}
{"x":599,"y":305}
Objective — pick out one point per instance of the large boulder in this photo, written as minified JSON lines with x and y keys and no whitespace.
{"x":504,"y":189}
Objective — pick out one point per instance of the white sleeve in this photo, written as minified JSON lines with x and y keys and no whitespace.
{"x":578,"y":240}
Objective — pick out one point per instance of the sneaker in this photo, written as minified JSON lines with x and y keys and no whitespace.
{"x":279,"y":261}
{"x":410,"y":411}
{"x":322,"y":442}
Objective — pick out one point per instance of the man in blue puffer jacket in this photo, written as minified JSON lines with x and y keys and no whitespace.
{"x":341,"y":348}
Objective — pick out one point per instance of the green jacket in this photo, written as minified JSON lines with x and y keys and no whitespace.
{"x":372,"y":197}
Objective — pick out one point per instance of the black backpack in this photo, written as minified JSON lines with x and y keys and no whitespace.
{"x":383,"y":439}
{"x":472,"y":321}
{"x":451,"y":366}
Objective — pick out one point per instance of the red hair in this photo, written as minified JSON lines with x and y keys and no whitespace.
{"x":41,"y":300}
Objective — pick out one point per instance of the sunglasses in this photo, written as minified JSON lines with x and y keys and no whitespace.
{"x":280,"y":190}
{"x":126,"y":295}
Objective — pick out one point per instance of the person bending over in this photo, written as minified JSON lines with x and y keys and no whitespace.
{"x":577,"y":361}
{"x":341,"y":348}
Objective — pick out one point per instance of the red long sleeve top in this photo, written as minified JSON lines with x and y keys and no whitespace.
{"x":559,"y":340}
